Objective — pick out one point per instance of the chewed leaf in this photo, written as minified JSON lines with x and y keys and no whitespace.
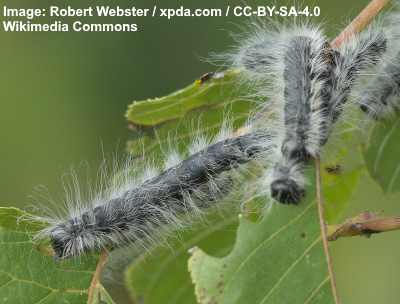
{"x":161,"y":276}
{"x":178,"y":118}
{"x":282,"y":252}
{"x":278,"y":260}
{"x":15,"y":219}
{"x":215,"y":90}
{"x":382,"y":155}
{"x":26,"y":275}
{"x":202,"y":122}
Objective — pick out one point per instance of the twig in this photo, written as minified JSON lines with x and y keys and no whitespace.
{"x":360,"y":22}
{"x":322,"y":225}
{"x":356,"y":26}
{"x":96,"y":276}
{"x":365,"y":224}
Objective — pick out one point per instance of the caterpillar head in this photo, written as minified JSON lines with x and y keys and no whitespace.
{"x":71,"y":237}
{"x":89,"y":231}
{"x":66,"y":239}
{"x":287,"y":184}
{"x":287,"y":191}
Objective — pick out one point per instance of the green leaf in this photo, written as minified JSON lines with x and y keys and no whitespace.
{"x":101,"y":296}
{"x":283,"y":252}
{"x":217,"y":90}
{"x":176,"y":119}
{"x":28,"y":276}
{"x":382,"y":154}
{"x":161,"y":275}
{"x":337,"y":191}
{"x":341,"y":168}
{"x":29,"y":271}
{"x":18,"y":220}
{"x":277,"y":260}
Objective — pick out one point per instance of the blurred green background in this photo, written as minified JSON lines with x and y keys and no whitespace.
{"x":63,"y":98}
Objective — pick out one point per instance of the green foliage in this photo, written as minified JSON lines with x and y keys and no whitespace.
{"x":381,"y":153}
{"x":197,"y":109}
{"x":278,"y":260}
{"x":28,"y":275}
{"x":28,"y":269}
{"x":161,"y":276}
{"x":201,"y":95}
{"x":342,"y":166}
{"x":18,"y":220}
{"x":281,"y":252}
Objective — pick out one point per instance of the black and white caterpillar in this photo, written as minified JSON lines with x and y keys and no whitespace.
{"x":304,"y":83}
{"x":380,"y":97}
{"x":135,"y":212}
{"x":307,"y":84}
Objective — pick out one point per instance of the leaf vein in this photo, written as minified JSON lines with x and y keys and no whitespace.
{"x":45,"y":297}
{"x":271,"y":237}
{"x":290,"y":268}
{"x":316,"y":290}
{"x":383,"y":145}
{"x":68,"y":290}
{"x":193,"y":241}
{"x":394,"y":178}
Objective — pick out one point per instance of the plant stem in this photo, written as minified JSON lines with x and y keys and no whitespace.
{"x":356,"y":26}
{"x":321,"y":215}
{"x":360,"y":22}
{"x":96,"y":276}
{"x":364,"y":224}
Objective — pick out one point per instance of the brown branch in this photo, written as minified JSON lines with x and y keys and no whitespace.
{"x":356,"y":26}
{"x":361,"y":21}
{"x":96,"y":276}
{"x":365,"y":224}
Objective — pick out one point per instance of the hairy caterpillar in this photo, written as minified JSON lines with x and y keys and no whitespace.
{"x":311,"y":83}
{"x":380,"y":98}
{"x":304,"y":83}
{"x":137,"y":213}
